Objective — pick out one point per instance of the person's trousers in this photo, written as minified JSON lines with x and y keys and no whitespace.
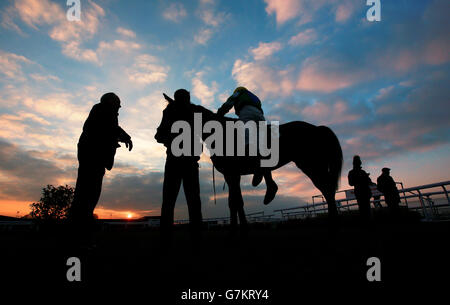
{"x":87,"y":193}
{"x":364,"y":207}
{"x":177,"y":171}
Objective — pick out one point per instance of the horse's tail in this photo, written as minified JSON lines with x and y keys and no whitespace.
{"x":333,"y":154}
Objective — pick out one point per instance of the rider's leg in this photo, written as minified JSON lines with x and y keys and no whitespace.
{"x":272,"y":187}
{"x":257,"y":178}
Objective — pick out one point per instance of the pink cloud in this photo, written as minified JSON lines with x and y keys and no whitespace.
{"x":437,"y":52}
{"x":322,"y":76}
{"x":175,"y":12}
{"x":323,"y":113}
{"x":37,"y":12}
{"x":202,"y":91}
{"x":263,"y":79}
{"x":344,"y":10}
{"x":303,"y":38}
{"x":284,"y":10}
{"x":70,"y":34}
{"x":11,"y":65}
{"x":265,"y":50}
{"x":305,"y":10}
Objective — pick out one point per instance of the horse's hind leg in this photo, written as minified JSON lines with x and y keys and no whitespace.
{"x":320,"y":178}
{"x":235,"y":202}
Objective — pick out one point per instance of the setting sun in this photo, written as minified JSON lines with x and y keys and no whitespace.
{"x":129,"y":215}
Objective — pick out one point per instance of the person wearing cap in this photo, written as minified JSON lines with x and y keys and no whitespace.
{"x":179,"y":169}
{"x":386,"y":185}
{"x":247,"y":107}
{"x":358,"y":178}
{"x":96,"y":150}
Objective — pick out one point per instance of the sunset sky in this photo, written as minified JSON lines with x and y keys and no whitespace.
{"x":383,"y":87}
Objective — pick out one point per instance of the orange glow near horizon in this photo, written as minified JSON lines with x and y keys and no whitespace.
{"x":18,"y":208}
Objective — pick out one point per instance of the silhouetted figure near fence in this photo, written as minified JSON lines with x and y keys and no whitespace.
{"x":376,"y":199}
{"x":247,"y":107}
{"x":386,"y":185}
{"x":358,"y":178}
{"x":179,"y":168}
{"x":96,"y":150}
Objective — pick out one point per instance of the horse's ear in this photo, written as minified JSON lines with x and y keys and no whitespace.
{"x":169,"y":99}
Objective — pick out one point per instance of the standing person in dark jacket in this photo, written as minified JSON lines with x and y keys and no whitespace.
{"x":179,"y":168}
{"x":96,"y":150}
{"x":386,"y":185}
{"x":358,"y":178}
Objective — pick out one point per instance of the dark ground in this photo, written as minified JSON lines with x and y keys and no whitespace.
{"x":288,"y":259}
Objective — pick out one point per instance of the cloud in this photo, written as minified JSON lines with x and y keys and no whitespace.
{"x":211,"y":19}
{"x":202,"y":91}
{"x":322,"y":75}
{"x":203,"y":36}
{"x":39,"y":12}
{"x":305,"y":10}
{"x":263,"y":79}
{"x":71,"y":35}
{"x":11,"y":65}
{"x":303,"y":38}
{"x":44,"y":78}
{"x":175,"y":12}
{"x":326,"y":114}
{"x":284,"y":10}
{"x":23,"y":175}
{"x":118,"y":45}
{"x":147,"y":70}
{"x":75,"y":51}
{"x":126,"y":32}
{"x":265,"y":50}
{"x":344,"y":10}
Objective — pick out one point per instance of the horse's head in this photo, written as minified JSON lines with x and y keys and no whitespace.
{"x":207,"y":116}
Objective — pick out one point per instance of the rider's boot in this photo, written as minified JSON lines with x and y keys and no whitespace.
{"x":272,"y":189}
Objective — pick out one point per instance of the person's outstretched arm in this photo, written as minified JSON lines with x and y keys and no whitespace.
{"x":124,"y":137}
{"x":227,"y":105}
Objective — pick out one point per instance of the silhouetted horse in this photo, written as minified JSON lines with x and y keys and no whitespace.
{"x":314,"y":149}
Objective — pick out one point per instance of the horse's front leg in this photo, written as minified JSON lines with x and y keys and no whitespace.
{"x":231,"y":201}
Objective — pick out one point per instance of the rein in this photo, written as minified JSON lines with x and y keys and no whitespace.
{"x":214,"y":184}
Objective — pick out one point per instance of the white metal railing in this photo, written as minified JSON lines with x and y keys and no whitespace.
{"x":428,"y":206}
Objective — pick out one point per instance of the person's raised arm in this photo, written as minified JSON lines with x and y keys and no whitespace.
{"x":227,"y":105}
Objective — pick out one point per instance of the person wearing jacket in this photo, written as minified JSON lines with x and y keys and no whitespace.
{"x":386,"y":185}
{"x":179,"y":169}
{"x":358,"y":178}
{"x":96,"y":150}
{"x":247,"y":107}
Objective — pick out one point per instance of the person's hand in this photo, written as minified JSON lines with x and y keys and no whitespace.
{"x":129,"y":144}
